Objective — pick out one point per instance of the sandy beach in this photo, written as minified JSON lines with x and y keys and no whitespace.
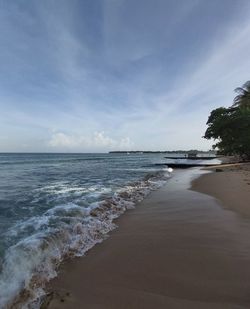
{"x":179,"y":248}
{"x":230,"y":185}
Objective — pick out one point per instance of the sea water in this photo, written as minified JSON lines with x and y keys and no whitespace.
{"x":54,"y":206}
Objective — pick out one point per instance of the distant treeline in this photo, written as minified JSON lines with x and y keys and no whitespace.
{"x":167,"y":151}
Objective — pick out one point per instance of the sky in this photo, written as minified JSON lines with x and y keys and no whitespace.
{"x":101,"y":75}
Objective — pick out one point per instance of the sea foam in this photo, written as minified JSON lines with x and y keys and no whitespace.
{"x":66,"y":230}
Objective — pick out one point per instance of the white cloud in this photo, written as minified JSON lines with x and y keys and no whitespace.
{"x":63,"y":140}
{"x":98,"y":141}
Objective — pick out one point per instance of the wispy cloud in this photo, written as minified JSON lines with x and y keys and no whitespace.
{"x":97,"y":142}
{"x":148,"y":72}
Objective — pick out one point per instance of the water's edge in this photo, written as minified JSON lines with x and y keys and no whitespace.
{"x":85,"y":228}
{"x":184,"y":180}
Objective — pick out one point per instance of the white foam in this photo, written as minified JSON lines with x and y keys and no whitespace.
{"x":65,"y":230}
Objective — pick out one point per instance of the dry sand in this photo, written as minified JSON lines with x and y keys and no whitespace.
{"x":230,"y":185}
{"x":177,"y":249}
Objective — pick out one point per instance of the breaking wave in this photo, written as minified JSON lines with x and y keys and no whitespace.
{"x":68,"y":229}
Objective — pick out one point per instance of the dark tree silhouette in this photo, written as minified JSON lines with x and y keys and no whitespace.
{"x":231,"y":126}
{"x":243,"y":97}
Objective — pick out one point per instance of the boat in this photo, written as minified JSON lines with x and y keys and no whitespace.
{"x":193,"y":156}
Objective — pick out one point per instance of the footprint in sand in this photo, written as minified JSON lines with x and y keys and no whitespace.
{"x":56,"y":298}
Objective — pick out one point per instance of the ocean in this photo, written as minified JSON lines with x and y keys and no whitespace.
{"x":55,"y":206}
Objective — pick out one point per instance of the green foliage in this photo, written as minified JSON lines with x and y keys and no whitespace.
{"x":231,"y":126}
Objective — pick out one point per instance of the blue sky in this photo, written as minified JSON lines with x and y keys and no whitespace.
{"x":100,"y":75}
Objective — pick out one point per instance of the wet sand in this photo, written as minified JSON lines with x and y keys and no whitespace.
{"x":177,"y":249}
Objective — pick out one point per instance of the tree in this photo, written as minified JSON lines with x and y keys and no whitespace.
{"x":243,"y":97}
{"x":231,"y":126}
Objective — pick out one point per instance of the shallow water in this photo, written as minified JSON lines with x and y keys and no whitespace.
{"x":57,"y":205}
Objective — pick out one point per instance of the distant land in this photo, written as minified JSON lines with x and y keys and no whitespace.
{"x":167,"y":151}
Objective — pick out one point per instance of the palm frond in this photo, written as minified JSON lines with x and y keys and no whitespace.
{"x":243,"y":97}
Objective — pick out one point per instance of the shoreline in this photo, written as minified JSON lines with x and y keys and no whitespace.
{"x":84,"y":217}
{"x":229,"y":184}
{"x":177,"y":249}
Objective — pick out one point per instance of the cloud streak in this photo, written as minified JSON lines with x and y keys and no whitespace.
{"x":146,"y":71}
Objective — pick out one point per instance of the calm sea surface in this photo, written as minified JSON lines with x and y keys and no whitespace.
{"x":57,"y":205}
